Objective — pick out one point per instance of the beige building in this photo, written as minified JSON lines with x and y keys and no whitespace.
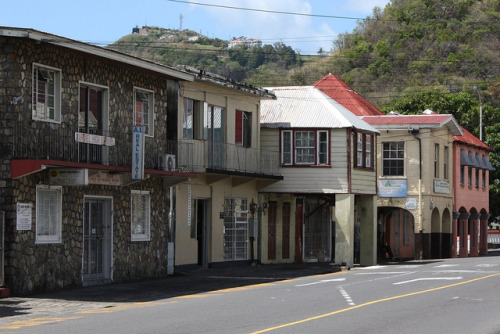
{"x":329,"y":181}
{"x":218,"y":139}
{"x":415,"y":188}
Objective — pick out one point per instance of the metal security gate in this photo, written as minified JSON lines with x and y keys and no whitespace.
{"x":317,"y":234}
{"x":97,"y":252}
{"x":235,"y":229}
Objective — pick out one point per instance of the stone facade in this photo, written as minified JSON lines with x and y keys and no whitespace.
{"x":34,"y":267}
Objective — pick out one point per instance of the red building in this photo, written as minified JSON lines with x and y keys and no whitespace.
{"x":471,"y":169}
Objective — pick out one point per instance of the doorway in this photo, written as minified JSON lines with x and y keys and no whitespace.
{"x":202,"y":218}
{"x":97,"y":241}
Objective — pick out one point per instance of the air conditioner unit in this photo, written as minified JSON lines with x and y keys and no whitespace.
{"x":169,"y":162}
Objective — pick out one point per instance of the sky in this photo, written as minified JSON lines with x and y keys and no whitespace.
{"x":103,"y":22}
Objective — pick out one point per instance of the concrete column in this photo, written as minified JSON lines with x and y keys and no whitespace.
{"x":463,"y":233}
{"x":483,"y":237}
{"x":474,"y":234}
{"x":368,"y":217}
{"x":454,"y":234}
{"x":344,"y":229}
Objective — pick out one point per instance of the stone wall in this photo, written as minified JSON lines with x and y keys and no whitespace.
{"x":31,"y":267}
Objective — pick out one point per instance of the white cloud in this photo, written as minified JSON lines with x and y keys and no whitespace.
{"x":365,"y":7}
{"x":300,"y":32}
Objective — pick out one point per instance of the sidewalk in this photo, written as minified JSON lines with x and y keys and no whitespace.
{"x":80,"y":299}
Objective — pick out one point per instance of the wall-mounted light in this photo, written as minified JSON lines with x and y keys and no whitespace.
{"x":255,"y":208}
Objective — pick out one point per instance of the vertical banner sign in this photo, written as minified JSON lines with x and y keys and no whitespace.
{"x":138,"y":153}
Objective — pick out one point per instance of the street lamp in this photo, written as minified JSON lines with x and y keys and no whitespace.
{"x":480,"y":114}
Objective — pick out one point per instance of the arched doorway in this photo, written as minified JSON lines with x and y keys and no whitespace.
{"x":435,"y":244}
{"x":398,"y":232}
{"x":447,"y":234}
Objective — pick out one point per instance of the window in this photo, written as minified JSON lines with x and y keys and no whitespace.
{"x":191,"y":119}
{"x":144,"y":110}
{"x":286,"y":147}
{"x":48,"y":214}
{"x":46,"y":99}
{"x":436,"y":161}
{"x":243,"y":128}
{"x":364,"y":150}
{"x":462,"y":174}
{"x":393,"y":158}
{"x":141,"y":204}
{"x":445,"y":162}
{"x":470,"y":176}
{"x":301,"y":147}
{"x":477,"y":177}
{"x":484,"y":178}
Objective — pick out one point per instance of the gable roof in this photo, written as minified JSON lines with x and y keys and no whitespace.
{"x":414,"y":122}
{"x":341,"y":92}
{"x":67,"y":43}
{"x":307,"y":107}
{"x":469,"y":139}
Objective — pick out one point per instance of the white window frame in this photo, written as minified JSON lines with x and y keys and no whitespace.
{"x":364,"y":150}
{"x":289,"y":150}
{"x":246,"y":129}
{"x":436,"y":161}
{"x":48,"y":214}
{"x":148,"y":120}
{"x":397,"y":158}
{"x":140,"y":221}
{"x":445,"y":162}
{"x":42,"y":111}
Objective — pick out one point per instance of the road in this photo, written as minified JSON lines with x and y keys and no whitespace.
{"x":441,"y":296}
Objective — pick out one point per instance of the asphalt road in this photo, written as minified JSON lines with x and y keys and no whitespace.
{"x":441,"y":296}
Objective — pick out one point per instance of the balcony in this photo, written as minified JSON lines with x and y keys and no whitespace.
{"x":200,"y":156}
{"x":57,"y":142}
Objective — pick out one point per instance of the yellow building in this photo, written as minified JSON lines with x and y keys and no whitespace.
{"x":218,"y":139}
{"x":415,"y":188}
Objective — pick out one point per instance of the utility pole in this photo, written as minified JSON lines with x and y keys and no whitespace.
{"x":181,"y":18}
{"x":480,"y":113}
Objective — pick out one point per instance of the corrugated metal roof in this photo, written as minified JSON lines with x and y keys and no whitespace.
{"x":307,"y":107}
{"x":341,"y":92}
{"x":469,"y":139}
{"x":415,"y":122}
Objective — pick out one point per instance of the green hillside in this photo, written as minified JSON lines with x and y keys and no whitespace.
{"x":410,"y":56}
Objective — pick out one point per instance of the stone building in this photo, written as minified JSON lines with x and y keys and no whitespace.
{"x":84,"y":184}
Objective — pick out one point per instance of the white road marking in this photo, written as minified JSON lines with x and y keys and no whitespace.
{"x":371,"y":267}
{"x":410,"y":266}
{"x":384,"y":273}
{"x":429,"y":279}
{"x":346,"y":296}
{"x":446,"y":265}
{"x":323,"y":281}
{"x":487,"y":265}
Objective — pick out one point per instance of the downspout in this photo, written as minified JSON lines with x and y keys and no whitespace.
{"x":414,"y":132}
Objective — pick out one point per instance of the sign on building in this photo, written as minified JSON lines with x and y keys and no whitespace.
{"x":392,"y":188}
{"x":138,"y":153}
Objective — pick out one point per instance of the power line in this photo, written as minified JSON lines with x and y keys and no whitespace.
{"x":267,"y":11}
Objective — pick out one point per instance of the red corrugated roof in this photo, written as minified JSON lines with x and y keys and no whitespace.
{"x":407,"y":119}
{"x":341,"y":92}
{"x":469,"y":139}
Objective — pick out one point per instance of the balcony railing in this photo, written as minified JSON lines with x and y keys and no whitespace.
{"x":199,"y":155}
{"x":57,"y":142}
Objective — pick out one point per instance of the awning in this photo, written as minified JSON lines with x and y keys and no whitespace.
{"x":474,"y":162}
{"x":464,"y":159}
{"x":487,"y":163}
